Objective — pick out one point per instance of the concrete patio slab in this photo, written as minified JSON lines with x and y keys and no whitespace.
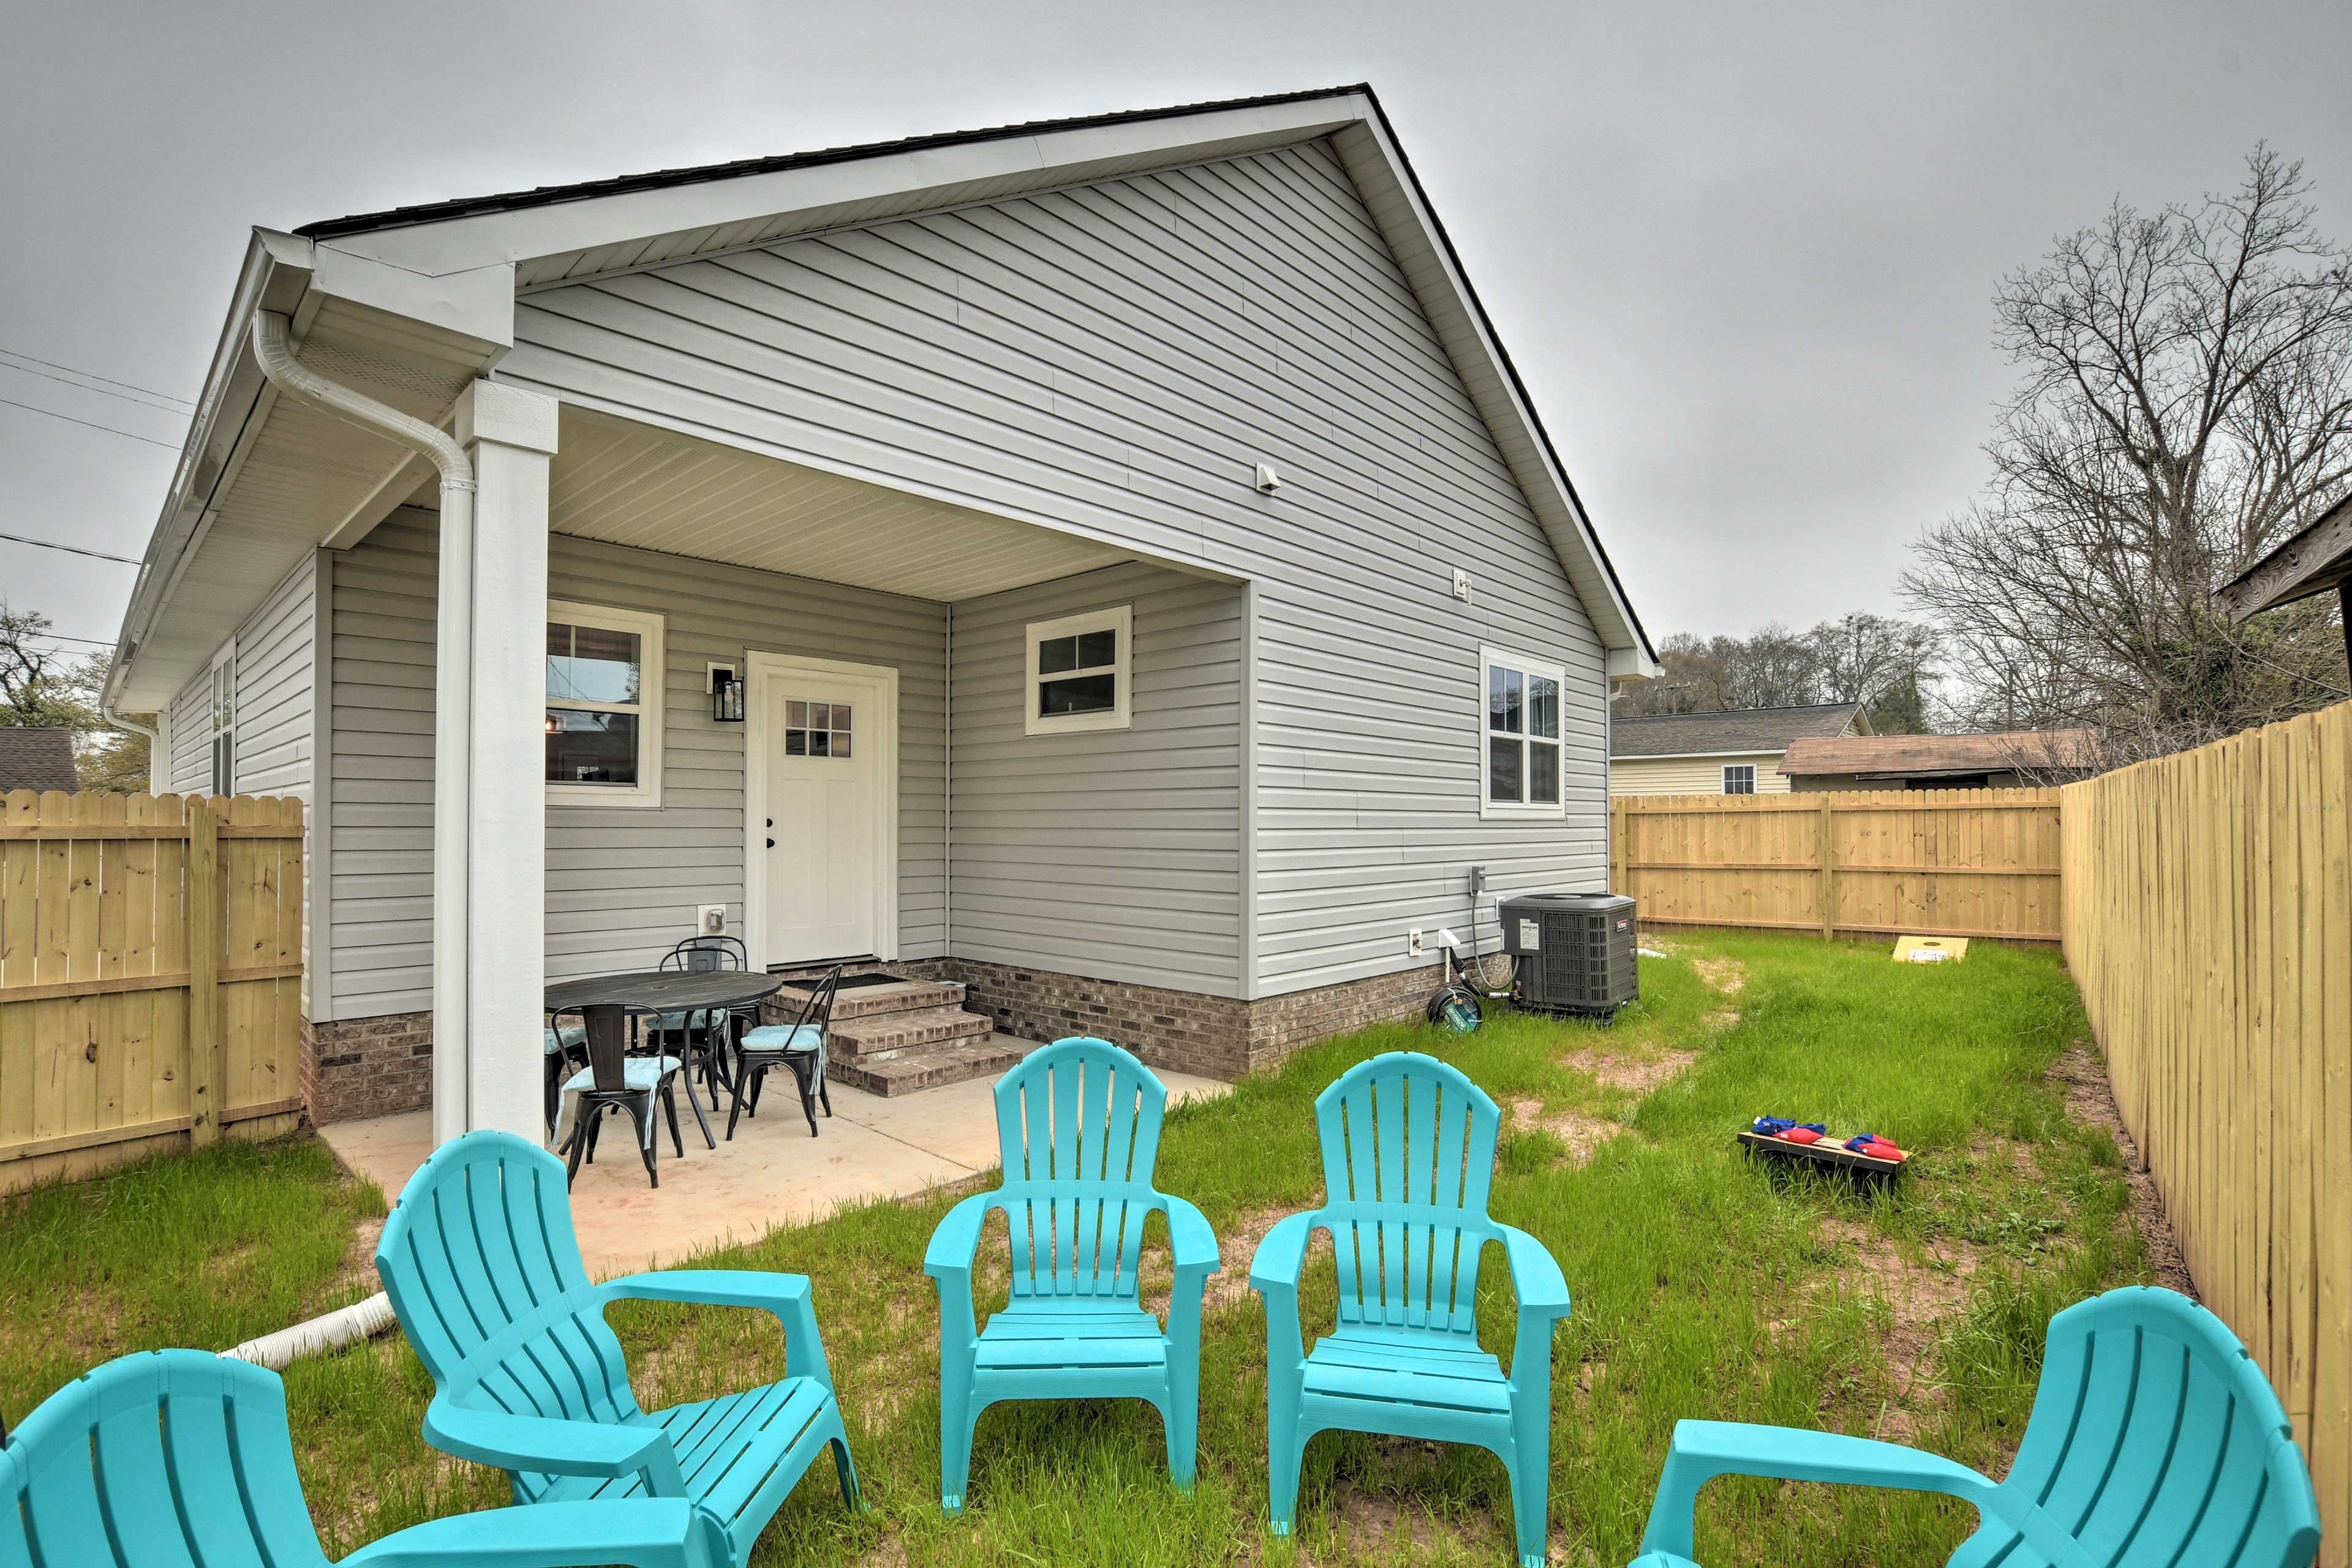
{"x":771,"y":1174}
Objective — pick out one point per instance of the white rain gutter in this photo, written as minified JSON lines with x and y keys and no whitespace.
{"x":453,"y":761}
{"x":347,"y":1325}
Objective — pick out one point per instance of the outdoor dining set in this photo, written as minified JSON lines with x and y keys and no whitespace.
{"x":2154,"y":1439}
{"x":621,"y":1044}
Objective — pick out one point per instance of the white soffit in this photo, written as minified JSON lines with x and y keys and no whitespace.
{"x":627,"y":483}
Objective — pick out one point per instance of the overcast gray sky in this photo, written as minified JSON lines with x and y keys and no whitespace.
{"x":1741,"y":253}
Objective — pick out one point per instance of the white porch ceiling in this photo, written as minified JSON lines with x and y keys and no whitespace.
{"x":625,"y":483}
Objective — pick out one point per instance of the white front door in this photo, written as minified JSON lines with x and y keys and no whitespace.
{"x":827,"y":741}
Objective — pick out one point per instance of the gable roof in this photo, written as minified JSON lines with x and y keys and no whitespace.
{"x":38,"y":759}
{"x":1745,"y":731}
{"x":409,"y":303}
{"x":1928,"y":754}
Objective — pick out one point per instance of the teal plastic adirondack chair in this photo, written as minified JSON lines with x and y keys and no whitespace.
{"x":176,"y":1458}
{"x":2154,"y":1441}
{"x":484,"y":1270}
{"x":1408,"y":1157}
{"x":1078,"y":1127}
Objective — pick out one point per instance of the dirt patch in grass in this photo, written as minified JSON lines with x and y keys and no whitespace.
{"x":1921,"y":1293}
{"x":2092,"y":1101}
{"x":1235,"y":1249}
{"x":1724,"y":974}
{"x":1638,"y":1074}
{"x":1582,"y":1135}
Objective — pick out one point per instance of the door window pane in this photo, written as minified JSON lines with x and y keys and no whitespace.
{"x":590,"y":748}
{"x":1077,"y":694}
{"x":1503,"y":768}
{"x":1505,"y":696}
{"x":818,"y":728}
{"x":1543,"y":772}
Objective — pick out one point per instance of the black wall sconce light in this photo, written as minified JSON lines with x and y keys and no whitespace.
{"x":725,"y":686}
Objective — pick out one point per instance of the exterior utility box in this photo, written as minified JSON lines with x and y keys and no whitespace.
{"x":1573,"y":953}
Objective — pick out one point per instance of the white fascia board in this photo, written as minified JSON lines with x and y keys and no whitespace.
{"x":919,"y":178}
{"x":476,"y":304}
{"x":275,"y":276}
{"x":1374,"y":160}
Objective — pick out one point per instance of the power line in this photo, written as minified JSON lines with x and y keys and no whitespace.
{"x":69,"y":549}
{"x":167,"y":445}
{"x":60,"y":637}
{"x":109,"y":381}
{"x":81,"y":387}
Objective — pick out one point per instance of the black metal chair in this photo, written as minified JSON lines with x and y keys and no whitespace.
{"x":702,"y":1034}
{"x":567,"y":1053}
{"x":614,"y":1079}
{"x":798,"y":1046}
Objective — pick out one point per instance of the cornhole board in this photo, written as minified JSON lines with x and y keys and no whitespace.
{"x":1834,"y":1156}
{"x":1930,"y":949}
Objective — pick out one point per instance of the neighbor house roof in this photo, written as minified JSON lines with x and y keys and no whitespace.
{"x":38,"y":759}
{"x":1928,"y":754}
{"x":408,"y":304}
{"x":1747,"y":731}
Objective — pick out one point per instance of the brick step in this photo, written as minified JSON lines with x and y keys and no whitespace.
{"x":880,"y":1037}
{"x":867,"y":1001}
{"x":929,"y":1067}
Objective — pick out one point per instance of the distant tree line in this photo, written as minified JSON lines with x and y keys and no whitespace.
{"x":43,"y":689}
{"x":1887,"y":664}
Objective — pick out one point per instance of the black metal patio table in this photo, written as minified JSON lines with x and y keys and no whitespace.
{"x":666,"y":991}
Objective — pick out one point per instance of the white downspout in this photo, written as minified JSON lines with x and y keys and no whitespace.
{"x":156,"y":747}
{"x":453,"y":725}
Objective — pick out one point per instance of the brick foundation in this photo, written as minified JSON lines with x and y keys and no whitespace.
{"x":354,"y":1068}
{"x":1185,"y":1031}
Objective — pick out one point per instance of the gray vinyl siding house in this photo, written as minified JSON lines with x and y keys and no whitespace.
{"x":902,"y":441}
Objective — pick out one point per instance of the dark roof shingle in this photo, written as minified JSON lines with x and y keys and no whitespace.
{"x":38,"y":759}
{"x":2001,"y":752}
{"x":1710,"y":734}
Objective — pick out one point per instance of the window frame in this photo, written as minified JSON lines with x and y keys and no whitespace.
{"x":1489,"y":659}
{"x":220,"y":706}
{"x":650,"y":630}
{"x":1119,"y":618}
{"x":1731,"y":768}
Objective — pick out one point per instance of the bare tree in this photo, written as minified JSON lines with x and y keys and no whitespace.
{"x":1860,"y":658}
{"x":42,"y":688}
{"x":1881,"y":661}
{"x":2186,"y":404}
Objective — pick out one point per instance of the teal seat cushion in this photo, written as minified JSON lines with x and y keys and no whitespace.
{"x":784,"y":1037}
{"x":566,"y":1036}
{"x":698,"y":1020}
{"x":643,"y":1074}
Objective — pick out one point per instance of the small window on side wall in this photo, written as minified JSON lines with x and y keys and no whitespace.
{"x":1079,"y":672}
{"x":1522,"y":735}
{"x":1740,"y":778}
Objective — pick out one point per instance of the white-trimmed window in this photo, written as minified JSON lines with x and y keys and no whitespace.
{"x":1522,"y":734}
{"x":1079,"y":672}
{"x":220,"y":770}
{"x":1740,"y":778}
{"x":603,"y":705}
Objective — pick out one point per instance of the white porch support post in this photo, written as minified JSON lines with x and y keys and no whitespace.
{"x":489,"y":825}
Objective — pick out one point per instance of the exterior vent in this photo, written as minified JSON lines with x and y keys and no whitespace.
{"x":1574,"y":952}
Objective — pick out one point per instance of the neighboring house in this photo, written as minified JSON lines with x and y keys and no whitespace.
{"x":1718,"y":753}
{"x":38,"y":760}
{"x":1067,"y":516}
{"x":2002,"y":760}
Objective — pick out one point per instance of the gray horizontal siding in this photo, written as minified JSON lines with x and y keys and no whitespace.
{"x":274,"y":677}
{"x":190,"y":771}
{"x":1112,"y":361}
{"x":1114,"y":853}
{"x":622,"y":885}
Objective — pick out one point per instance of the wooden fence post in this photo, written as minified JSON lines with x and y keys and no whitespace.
{"x":206,"y":1088}
{"x":1617,"y":845}
{"x":1829,"y":869}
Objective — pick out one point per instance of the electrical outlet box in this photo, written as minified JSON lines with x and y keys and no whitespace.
{"x":1413,"y":941}
{"x":1462,"y":584}
{"x":1477,"y":880}
{"x":710,"y":920}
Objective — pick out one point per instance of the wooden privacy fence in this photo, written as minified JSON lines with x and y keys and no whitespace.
{"x":1963,"y":862}
{"x":151,"y":964}
{"x":2209,"y":923}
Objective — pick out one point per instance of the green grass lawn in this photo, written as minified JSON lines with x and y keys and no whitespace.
{"x":1704,"y":1287}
